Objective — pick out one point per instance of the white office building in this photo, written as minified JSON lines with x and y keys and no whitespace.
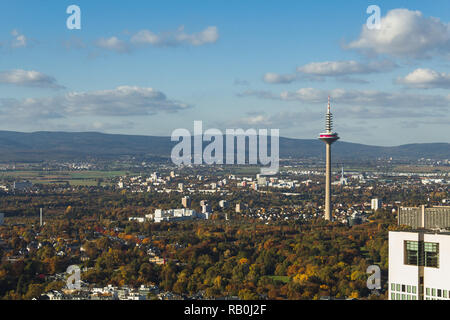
{"x":375,"y":204}
{"x":419,"y":265}
{"x":178,"y":215}
{"x":223,"y":203}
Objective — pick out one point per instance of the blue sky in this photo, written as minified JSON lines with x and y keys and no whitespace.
{"x":148,"y":67}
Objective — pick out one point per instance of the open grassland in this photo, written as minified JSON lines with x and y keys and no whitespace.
{"x":422,"y":169}
{"x":74,"y":178}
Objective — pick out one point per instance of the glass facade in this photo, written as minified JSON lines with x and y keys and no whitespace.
{"x":431,"y":251}
{"x":419,"y":253}
{"x":411,"y":293}
{"x":412,"y":253}
{"x":403,"y":292}
{"x":397,"y":293}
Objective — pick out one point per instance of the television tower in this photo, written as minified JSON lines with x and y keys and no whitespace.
{"x":328,"y":137}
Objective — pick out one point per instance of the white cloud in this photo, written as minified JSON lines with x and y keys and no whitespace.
{"x":28,"y":78}
{"x":146,"y":37}
{"x":405,"y":33}
{"x":175,"y":38}
{"x":319,"y":71}
{"x":112,"y":43}
{"x":368,"y":98}
{"x":277,"y":120}
{"x":74,"y":43}
{"x":342,"y":68}
{"x":361,"y":98}
{"x":426,"y":79}
{"x":19,"y":41}
{"x":279,"y":78}
{"x":171,"y":38}
{"x":119,"y":102}
{"x":209,"y":35}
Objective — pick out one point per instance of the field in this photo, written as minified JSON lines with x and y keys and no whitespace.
{"x":422,"y":169}
{"x":284,"y":279}
{"x":74,"y":178}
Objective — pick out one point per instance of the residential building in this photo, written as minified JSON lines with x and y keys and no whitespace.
{"x":178,"y":215}
{"x":425,"y":217}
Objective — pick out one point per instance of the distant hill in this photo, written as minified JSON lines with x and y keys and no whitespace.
{"x":38,"y":146}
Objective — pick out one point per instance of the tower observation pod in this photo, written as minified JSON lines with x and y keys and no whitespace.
{"x":328,"y":137}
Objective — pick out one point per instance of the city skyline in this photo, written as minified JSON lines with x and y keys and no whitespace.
{"x":180,"y":153}
{"x":151,"y":68}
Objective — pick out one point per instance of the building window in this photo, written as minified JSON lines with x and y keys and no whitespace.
{"x":408,"y":289}
{"x":393,"y":286}
{"x":445,"y":293}
{"x":428,"y":291}
{"x":413,"y":289}
{"x":439,"y":293}
{"x":398,"y":296}
{"x":411,"y":253}
{"x":403,"y":288}
{"x":433,"y":292}
{"x":431,"y":251}
{"x":392,"y":296}
{"x":421,"y":254}
{"x":398,"y":287}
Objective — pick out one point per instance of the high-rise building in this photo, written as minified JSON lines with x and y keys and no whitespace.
{"x":223,"y":204}
{"x":329,"y":137}
{"x":186,"y":202}
{"x":206,"y":208}
{"x":419,"y":265}
{"x":375,"y":204}
{"x":425,"y":217}
{"x":261,"y":180}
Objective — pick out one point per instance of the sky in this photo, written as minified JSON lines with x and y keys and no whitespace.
{"x":150,"y":67}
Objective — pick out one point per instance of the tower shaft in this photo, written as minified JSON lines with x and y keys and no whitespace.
{"x":328,"y":183}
